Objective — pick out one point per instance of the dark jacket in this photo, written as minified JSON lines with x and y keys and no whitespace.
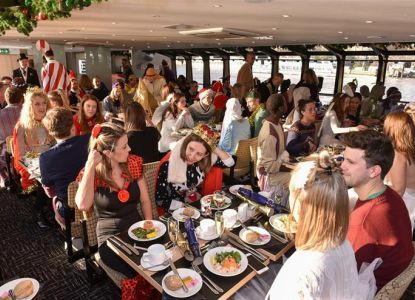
{"x":32,"y":77}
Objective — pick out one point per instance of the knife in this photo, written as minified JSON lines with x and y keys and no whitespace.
{"x":257,"y":255}
{"x":121,"y":246}
{"x":133,"y":250}
{"x":248,"y":248}
{"x":173,"y":267}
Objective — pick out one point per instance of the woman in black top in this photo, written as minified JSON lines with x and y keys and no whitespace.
{"x":142,"y":140}
{"x":112,"y":182}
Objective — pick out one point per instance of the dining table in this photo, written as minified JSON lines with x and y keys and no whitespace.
{"x":259,"y":258}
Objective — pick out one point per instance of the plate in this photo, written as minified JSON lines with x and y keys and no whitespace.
{"x":180,"y":293}
{"x":207,"y":261}
{"x":178,"y":214}
{"x":227,"y":203}
{"x":204,"y":236}
{"x":160,"y":226}
{"x":148,"y":267}
{"x":258,"y":242}
{"x":234,"y":189}
{"x":279,"y":222}
{"x":12,"y":284}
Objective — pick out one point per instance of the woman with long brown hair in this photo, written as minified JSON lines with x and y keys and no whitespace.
{"x":88,"y":115}
{"x":400,"y":128}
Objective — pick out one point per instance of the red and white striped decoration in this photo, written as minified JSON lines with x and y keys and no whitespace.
{"x":54,"y":77}
{"x":42,"y":45}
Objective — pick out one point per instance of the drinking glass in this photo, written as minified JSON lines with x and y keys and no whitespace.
{"x":173,"y":229}
{"x":218,"y":199}
{"x":219,"y":223}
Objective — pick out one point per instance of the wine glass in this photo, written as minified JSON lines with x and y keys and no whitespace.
{"x":219,"y":223}
{"x":173,"y":228}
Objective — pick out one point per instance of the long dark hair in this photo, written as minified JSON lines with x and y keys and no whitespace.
{"x":135,"y":117}
{"x":81,"y":114}
{"x":173,"y":108}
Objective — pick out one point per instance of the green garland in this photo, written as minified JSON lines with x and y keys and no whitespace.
{"x":25,"y":15}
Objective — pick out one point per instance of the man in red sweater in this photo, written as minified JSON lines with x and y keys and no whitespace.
{"x":379,"y":224}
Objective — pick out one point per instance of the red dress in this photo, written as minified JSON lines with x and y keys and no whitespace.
{"x":78,"y":127}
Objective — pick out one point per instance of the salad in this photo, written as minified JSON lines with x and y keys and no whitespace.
{"x":227,"y":261}
{"x":143,"y":233}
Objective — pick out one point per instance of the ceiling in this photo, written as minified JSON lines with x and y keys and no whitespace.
{"x":141,"y":24}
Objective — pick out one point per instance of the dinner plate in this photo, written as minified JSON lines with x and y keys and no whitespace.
{"x":179,"y":216}
{"x":279,"y":222}
{"x":161,"y":229}
{"x":265,"y":236}
{"x":147,"y":265}
{"x":204,"y":236}
{"x":180,"y":293}
{"x":207,"y":261}
{"x":234,"y":189}
{"x":12,"y":284}
{"x":227,"y":203}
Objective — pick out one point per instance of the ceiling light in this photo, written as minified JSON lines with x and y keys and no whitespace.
{"x":133,"y":40}
{"x":286,"y":16}
{"x":340,"y":32}
{"x":219,"y":44}
{"x":150,"y":30}
{"x":253,"y":42}
{"x":346,"y":38}
{"x":178,"y":42}
{"x":123,"y":45}
{"x":106,"y":42}
{"x":168,"y":46}
{"x":368,"y":22}
{"x":274,"y":28}
{"x":114,"y":34}
{"x":148,"y":47}
{"x":191,"y":45}
{"x":165,"y":37}
{"x":374,"y":37}
{"x":217,"y":39}
{"x":114,"y":23}
{"x":156,"y":16}
{"x":217,"y":5}
{"x":412,"y":35}
{"x":60,"y":32}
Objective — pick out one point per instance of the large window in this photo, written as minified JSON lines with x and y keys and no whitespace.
{"x":197,"y":69}
{"x":262,"y":68}
{"x":290,"y":66}
{"x":216,"y":68}
{"x":181,"y":66}
{"x":325,"y":67}
{"x":400,"y":72}
{"x":361,"y":68}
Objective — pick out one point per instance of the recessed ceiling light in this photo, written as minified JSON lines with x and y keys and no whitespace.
{"x":346,"y":38}
{"x":123,"y":45}
{"x":286,"y":16}
{"x":340,"y":32}
{"x":150,"y":30}
{"x":106,"y":42}
{"x":412,"y":35}
{"x":156,"y":16}
{"x":368,"y":22}
{"x":60,"y":32}
{"x":178,"y":42}
{"x":217,"y":39}
{"x":165,"y":37}
{"x":168,"y":46}
{"x":133,"y":40}
{"x":219,"y":44}
{"x":274,"y":28}
{"x":191,"y":45}
{"x":114,"y":23}
{"x":253,"y":42}
{"x":65,"y":40}
{"x":148,"y":47}
{"x":217,"y":5}
{"x":114,"y":34}
{"x":374,"y":37}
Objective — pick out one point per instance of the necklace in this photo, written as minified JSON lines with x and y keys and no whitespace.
{"x":123,"y":194}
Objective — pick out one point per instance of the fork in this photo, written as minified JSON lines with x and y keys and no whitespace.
{"x":215,"y":286}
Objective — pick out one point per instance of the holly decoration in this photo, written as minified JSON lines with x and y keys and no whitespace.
{"x":24,"y":18}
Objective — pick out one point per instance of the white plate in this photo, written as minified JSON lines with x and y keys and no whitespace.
{"x":204,"y":236}
{"x":179,"y":216}
{"x":148,"y":267}
{"x":12,"y":284}
{"x":258,"y":242}
{"x":234,"y":189}
{"x":227,"y":203}
{"x":278,"y":224}
{"x":180,"y":293}
{"x":161,"y":228}
{"x":207,"y":261}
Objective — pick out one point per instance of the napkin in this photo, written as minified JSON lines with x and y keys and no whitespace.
{"x":255,"y":197}
{"x":191,"y":237}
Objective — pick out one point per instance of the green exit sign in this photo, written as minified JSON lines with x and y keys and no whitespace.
{"x":4,"y":51}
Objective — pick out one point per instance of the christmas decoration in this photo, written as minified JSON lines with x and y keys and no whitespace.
{"x":24,"y":18}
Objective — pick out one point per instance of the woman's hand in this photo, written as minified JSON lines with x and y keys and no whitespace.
{"x":94,"y":158}
{"x":361,"y":127}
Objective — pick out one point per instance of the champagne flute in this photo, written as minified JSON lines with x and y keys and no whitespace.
{"x":172,"y":227}
{"x":219,"y":223}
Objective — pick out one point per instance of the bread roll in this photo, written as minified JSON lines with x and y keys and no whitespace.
{"x":148,"y":225}
{"x":173,"y":282}
{"x":251,"y":236}
{"x":188,"y":211}
{"x":23,"y":289}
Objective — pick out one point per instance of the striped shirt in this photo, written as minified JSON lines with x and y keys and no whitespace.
{"x":8,"y":119}
{"x":54,"y":77}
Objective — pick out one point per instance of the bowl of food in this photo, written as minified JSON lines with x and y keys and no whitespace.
{"x":146,"y":230}
{"x":225,"y":261}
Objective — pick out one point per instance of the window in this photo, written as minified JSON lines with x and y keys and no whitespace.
{"x":290,"y":66}
{"x":400,"y":72}
{"x":325,"y":66}
{"x":197,"y":69}
{"x":361,"y":68}
{"x":180,"y":66}
{"x":216,"y":68}
{"x":235,"y":63}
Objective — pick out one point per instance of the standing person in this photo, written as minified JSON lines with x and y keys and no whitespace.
{"x":112,"y":183}
{"x":127,"y":70}
{"x":301,"y":135}
{"x":245,"y":76}
{"x":258,"y":112}
{"x":100,"y":90}
{"x":27,"y":73}
{"x":149,"y":90}
{"x":60,"y":164}
{"x":166,"y":72}
{"x":203,"y":110}
{"x":88,"y":115}
{"x":400,"y":128}
{"x":54,"y":75}
{"x":142,"y":139}
{"x":379,"y":224}
{"x":324,"y":266}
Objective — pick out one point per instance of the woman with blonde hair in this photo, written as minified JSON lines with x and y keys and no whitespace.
{"x":324,"y":265}
{"x":88,"y":115}
{"x":400,"y":128}
{"x":112,"y":183}
{"x":372,"y":106}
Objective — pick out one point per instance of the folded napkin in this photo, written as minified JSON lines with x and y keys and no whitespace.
{"x":255,"y":197}
{"x":191,"y":237}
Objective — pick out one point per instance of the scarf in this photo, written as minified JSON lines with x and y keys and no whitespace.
{"x":251,"y":119}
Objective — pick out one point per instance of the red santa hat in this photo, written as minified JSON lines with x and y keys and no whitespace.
{"x":203,"y":93}
{"x":218,"y":87}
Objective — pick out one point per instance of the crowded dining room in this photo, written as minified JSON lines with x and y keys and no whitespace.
{"x":238,"y":149}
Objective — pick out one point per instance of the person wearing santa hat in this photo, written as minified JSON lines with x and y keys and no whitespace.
{"x":27,"y":73}
{"x":203,"y":110}
{"x":219,"y":101}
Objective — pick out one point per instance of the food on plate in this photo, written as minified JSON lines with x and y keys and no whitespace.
{"x":188,"y":211}
{"x":5,"y":296}
{"x":148,"y":224}
{"x":226,"y":261}
{"x":251,"y":236}
{"x":23,"y":289}
{"x":173,"y":282}
{"x":285,"y":223}
{"x":143,"y":233}
{"x":190,"y":282}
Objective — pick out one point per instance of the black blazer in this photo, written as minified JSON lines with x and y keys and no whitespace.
{"x":32,"y":77}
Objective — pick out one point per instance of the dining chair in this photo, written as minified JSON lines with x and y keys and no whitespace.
{"x":11,"y":172}
{"x":150,"y":171}
{"x":395,"y":288}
